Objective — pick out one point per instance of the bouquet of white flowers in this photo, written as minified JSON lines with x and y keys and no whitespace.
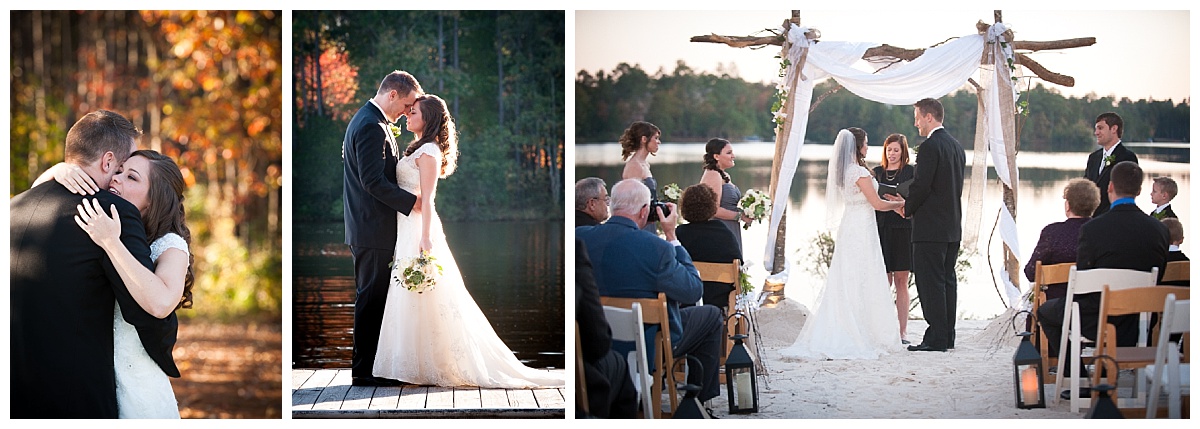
{"x":672,"y":193}
{"x":755,"y":205}
{"x":419,"y":274}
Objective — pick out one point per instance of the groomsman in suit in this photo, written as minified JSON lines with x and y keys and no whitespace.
{"x":63,"y":286}
{"x":1124,"y":237}
{"x":935,"y":205}
{"x":371,"y":201}
{"x":1108,"y":131}
{"x":1162,"y":191}
{"x":630,"y":262}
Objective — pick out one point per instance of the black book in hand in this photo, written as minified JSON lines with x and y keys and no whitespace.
{"x":899,"y":189}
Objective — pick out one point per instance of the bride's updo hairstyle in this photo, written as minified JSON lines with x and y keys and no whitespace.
{"x":860,"y":140}
{"x":631,"y":139}
{"x":164,"y":209}
{"x":439,"y":128}
{"x":711,"y":150}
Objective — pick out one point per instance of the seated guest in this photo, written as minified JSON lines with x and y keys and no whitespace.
{"x":1162,"y":192}
{"x":707,"y":239}
{"x":591,"y":201}
{"x":630,"y":262}
{"x":1175,"y":230}
{"x":609,"y":388}
{"x":1123,"y":237}
{"x":1060,"y":239}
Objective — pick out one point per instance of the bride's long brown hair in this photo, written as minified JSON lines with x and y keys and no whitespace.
{"x":164,"y":209}
{"x":439,"y":128}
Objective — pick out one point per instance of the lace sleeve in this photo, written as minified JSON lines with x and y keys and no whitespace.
{"x":852,"y":176}
{"x":431,"y":149}
{"x":169,"y":241}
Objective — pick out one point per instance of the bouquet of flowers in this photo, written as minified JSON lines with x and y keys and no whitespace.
{"x":755,"y":204}
{"x":419,"y":274}
{"x":671,"y":193}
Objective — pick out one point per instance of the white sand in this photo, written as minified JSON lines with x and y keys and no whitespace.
{"x":974,"y":380}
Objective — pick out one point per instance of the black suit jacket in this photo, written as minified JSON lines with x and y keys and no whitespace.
{"x":1124,"y":237}
{"x":1166,"y":213}
{"x":1101,"y":177}
{"x":63,"y":287}
{"x":711,"y":241}
{"x":935,"y":197}
{"x":370,"y":195}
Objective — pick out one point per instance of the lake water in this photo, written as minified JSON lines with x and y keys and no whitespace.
{"x":514,"y":271}
{"x":1039,"y":202}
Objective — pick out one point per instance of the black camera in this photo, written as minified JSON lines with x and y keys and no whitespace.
{"x":653,"y":217}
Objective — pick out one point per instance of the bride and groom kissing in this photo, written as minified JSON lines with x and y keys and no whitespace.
{"x":96,"y":279}
{"x":437,"y":336}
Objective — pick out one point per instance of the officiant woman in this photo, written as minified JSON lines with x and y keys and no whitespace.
{"x":895,"y":232}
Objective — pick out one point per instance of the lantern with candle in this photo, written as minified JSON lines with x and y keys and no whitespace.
{"x":1027,"y":372}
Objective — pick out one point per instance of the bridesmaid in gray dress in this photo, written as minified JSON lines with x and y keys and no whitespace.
{"x":718,"y":157}
{"x":638,"y":143}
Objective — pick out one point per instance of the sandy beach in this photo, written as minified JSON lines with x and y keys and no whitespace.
{"x":972,"y":381}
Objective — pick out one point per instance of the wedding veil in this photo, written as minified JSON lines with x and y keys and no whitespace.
{"x":841,"y":161}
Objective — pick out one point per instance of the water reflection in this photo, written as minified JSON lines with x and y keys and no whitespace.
{"x":513,"y":270}
{"x":1042,"y":178}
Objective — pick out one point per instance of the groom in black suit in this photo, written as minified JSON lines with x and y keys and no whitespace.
{"x":1108,"y":130}
{"x":371,"y":201}
{"x":63,"y":286}
{"x":935,"y":205}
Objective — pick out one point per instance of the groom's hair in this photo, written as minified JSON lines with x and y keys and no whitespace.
{"x":933,"y":107}
{"x":400,"y":81}
{"x":1112,"y":119}
{"x":99,"y":132}
{"x":1127,"y":179}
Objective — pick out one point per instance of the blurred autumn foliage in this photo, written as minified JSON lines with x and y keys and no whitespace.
{"x":206,"y":89}
{"x":500,"y":72}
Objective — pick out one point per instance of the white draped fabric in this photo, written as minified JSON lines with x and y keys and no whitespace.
{"x":937,"y":72}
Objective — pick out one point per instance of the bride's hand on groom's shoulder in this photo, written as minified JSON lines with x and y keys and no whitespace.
{"x":74,"y":178}
{"x":98,"y":225}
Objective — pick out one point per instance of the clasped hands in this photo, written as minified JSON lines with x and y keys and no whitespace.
{"x":899,"y":199}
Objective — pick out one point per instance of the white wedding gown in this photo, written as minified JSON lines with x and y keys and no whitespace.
{"x":440,"y":337}
{"x":143,"y":389}
{"x":855,"y":315}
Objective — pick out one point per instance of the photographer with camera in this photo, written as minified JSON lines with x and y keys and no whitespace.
{"x":630,"y":262}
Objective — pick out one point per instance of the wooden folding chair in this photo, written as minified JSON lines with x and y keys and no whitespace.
{"x":1177,"y":271}
{"x":1043,"y":276}
{"x":1167,"y":368}
{"x":1132,"y":301}
{"x":654,"y":312}
{"x":1081,"y":282}
{"x":627,"y":325}
{"x":729,"y":272}
{"x":581,"y":400}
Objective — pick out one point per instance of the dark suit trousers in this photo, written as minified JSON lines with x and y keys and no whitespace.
{"x":371,"y":273}
{"x":611,"y":394}
{"x":937,"y":288}
{"x":703,"y":329}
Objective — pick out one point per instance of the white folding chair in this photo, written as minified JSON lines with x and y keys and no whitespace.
{"x":1176,"y":377}
{"x":1081,"y":282}
{"x":626,"y":325}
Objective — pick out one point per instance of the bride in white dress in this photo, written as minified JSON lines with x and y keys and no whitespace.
{"x":855,"y":317}
{"x":152,"y":183}
{"x":440,"y":337}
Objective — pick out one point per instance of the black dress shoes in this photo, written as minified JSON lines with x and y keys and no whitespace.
{"x":375,"y":382}
{"x":924,"y":348}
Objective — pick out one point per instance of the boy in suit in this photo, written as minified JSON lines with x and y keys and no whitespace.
{"x":1162,"y":192}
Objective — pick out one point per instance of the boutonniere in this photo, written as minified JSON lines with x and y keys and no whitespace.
{"x":1108,"y":160}
{"x":395,"y":130}
{"x":1160,"y":215}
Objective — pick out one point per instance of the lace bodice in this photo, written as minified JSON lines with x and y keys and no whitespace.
{"x":851,"y":191}
{"x":169,"y":241}
{"x":408,"y":176}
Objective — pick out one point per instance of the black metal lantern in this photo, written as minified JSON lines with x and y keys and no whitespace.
{"x":740,"y":379}
{"x":689,"y":407}
{"x":1105,"y":408}
{"x":1028,"y":387}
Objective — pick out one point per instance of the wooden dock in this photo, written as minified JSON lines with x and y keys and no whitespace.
{"x":327,"y":393}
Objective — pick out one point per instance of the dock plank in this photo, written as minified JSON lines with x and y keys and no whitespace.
{"x":439,"y":397}
{"x":522,"y":398}
{"x":494,"y":398}
{"x":300,"y":376}
{"x":467,"y":397}
{"x":413,"y":397}
{"x":359,"y":398}
{"x":549,"y":398}
{"x":385,"y":398}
